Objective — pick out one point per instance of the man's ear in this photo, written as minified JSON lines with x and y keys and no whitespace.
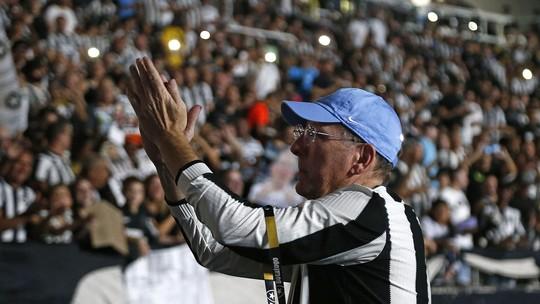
{"x":364,"y":156}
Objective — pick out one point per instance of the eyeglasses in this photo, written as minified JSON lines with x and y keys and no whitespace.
{"x":311,"y":133}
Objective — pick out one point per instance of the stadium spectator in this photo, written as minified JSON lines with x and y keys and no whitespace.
{"x":156,"y":208}
{"x":57,"y":223}
{"x":53,"y":165}
{"x":232,"y":179}
{"x":411,"y":180}
{"x":439,"y":239}
{"x":63,"y":40}
{"x":61,"y":9}
{"x":196,"y":92}
{"x":502,"y":223}
{"x":84,"y":197}
{"x":97,"y":171}
{"x":437,"y":229}
{"x":278,"y":189}
{"x":140,"y":230}
{"x":465,"y":99}
{"x":460,"y":208}
{"x":17,"y":198}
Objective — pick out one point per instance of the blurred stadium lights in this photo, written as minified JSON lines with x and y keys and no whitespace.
{"x":270,"y":57}
{"x":473,"y":26}
{"x":420,"y":2}
{"x":488,"y":27}
{"x":174,"y":45}
{"x":271,"y":53}
{"x":324,"y":40}
{"x":432,"y":16}
{"x":205,"y":35}
{"x":346,"y":6}
{"x":527,"y":74}
{"x":93,"y":52}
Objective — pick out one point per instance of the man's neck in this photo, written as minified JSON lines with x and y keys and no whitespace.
{"x":368,"y":181}
{"x":371,"y":184}
{"x":457,"y":187}
{"x":56,"y":150}
{"x":13,"y":184}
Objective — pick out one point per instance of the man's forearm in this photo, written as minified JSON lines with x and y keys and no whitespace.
{"x":172,"y":193}
{"x":176,"y":152}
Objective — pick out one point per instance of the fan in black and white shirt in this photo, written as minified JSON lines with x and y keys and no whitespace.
{"x":63,"y":41}
{"x":53,"y":165}
{"x":196,"y":92}
{"x":352,"y":240}
{"x":16,"y":198}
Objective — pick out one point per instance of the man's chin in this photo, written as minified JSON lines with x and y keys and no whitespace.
{"x":302,"y":192}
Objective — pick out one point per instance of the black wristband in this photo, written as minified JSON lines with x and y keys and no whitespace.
{"x":191,"y":163}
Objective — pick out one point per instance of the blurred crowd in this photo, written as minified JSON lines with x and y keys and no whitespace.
{"x":470,"y":159}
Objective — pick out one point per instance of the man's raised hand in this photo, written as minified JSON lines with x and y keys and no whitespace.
{"x":162,"y":113}
{"x":136,"y":96}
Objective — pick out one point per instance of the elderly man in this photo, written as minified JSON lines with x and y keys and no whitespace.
{"x":352,"y":241}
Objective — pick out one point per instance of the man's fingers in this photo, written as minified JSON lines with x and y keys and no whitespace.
{"x":135,"y":80}
{"x":146,"y":85}
{"x":192,"y":117}
{"x":152,"y":74}
{"x":172,"y":88}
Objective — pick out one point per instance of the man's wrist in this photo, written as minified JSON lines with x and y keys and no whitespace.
{"x":172,"y":194}
{"x":176,"y":202}
{"x":176,"y":152}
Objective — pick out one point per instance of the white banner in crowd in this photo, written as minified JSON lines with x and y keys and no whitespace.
{"x":13,"y":104}
{"x":168,"y":276}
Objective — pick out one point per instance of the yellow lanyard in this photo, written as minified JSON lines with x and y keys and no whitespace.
{"x":273,"y":272}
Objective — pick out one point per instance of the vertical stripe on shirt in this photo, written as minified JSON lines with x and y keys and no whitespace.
{"x":421,"y":271}
{"x":14,"y":202}
{"x":402,"y":275}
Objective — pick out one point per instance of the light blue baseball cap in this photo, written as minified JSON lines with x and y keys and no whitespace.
{"x":365,"y":114}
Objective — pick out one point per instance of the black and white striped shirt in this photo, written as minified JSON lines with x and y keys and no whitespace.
{"x":54,"y":169}
{"x":355,"y":245}
{"x":101,"y":42}
{"x":191,"y":11}
{"x":97,"y":9}
{"x":67,"y":44}
{"x":14,"y":202}
{"x":199,"y":94}
{"x":123,"y":167}
{"x":157,"y":12}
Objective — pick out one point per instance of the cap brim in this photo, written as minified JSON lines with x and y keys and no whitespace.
{"x":295,"y":113}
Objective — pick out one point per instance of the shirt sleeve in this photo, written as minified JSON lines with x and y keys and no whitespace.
{"x":211,"y":254}
{"x":340,"y":228}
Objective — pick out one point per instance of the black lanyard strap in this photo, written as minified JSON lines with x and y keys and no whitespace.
{"x":273,"y":272}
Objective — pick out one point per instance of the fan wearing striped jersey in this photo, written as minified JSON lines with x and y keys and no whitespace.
{"x":16,"y":198}
{"x":351,"y":241}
